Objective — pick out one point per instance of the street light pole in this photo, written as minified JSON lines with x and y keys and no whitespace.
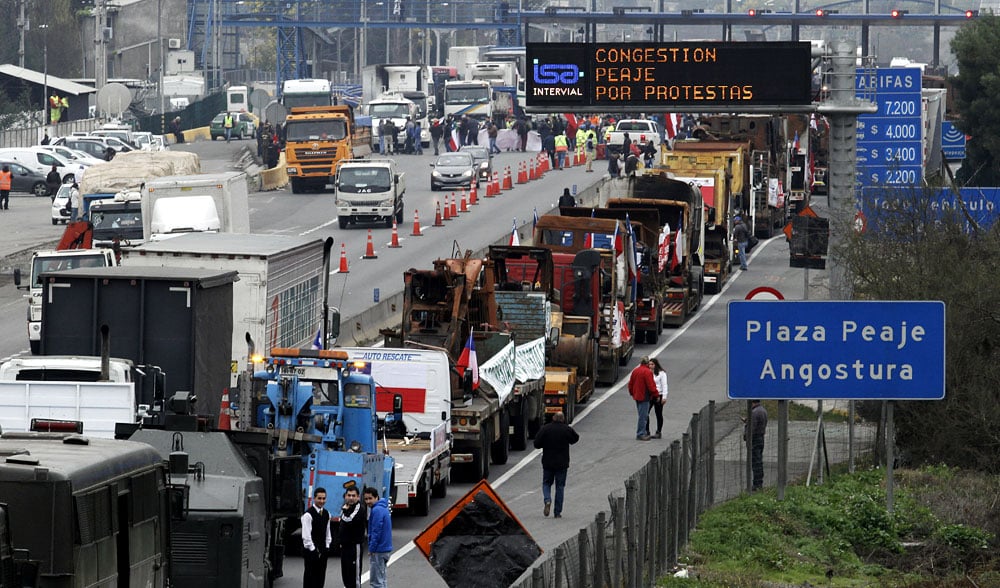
{"x":159,"y":42}
{"x":45,"y":73}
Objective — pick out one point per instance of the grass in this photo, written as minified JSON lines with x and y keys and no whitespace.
{"x":942,"y":532}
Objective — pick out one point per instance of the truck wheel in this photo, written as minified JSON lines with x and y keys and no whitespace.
{"x":483,"y":463}
{"x":652,"y":337}
{"x":422,"y":503}
{"x":399,"y":216}
{"x":519,"y":440}
{"x":500,"y":450}
{"x":570,"y":409}
{"x":342,"y":221}
{"x":296,"y":185}
{"x":36,"y":347}
{"x":697,"y":278}
{"x":440,"y":490}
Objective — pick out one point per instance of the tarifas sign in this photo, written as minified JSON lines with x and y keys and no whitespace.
{"x":684,"y":74}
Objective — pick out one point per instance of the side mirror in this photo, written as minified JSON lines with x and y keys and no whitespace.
{"x":17,"y":277}
{"x":333,"y":331}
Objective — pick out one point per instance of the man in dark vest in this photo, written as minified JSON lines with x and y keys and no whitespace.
{"x":353,"y":528}
{"x":316,"y":540}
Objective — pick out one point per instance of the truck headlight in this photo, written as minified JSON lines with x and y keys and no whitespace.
{"x":386,"y":202}
{"x":292,"y":171}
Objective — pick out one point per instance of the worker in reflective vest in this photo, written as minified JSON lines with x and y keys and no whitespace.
{"x":227,"y":122}
{"x":562,"y":147}
{"x":5,"y":179}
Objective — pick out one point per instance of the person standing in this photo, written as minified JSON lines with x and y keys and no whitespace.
{"x":175,"y":128}
{"x":566,"y":200}
{"x":379,"y":536}
{"x":660,"y":379}
{"x":590,"y":146}
{"x":418,"y":146}
{"x":642,"y":388}
{"x":491,"y":132}
{"x":436,"y":132}
{"x":614,"y":168}
{"x":554,"y":440}
{"x":521,"y":128}
{"x":316,"y":540}
{"x":53,"y":181}
{"x":5,"y":181}
{"x":353,"y":526}
{"x":562,"y":148}
{"x":46,"y":139}
{"x":74,"y":202}
{"x":742,"y":236}
{"x":381,"y":136}
{"x":626,"y":146}
{"x":227,"y":123}
{"x":755,"y":433}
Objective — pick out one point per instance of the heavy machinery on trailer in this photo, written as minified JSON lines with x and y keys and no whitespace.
{"x":453,"y":308}
{"x":560,"y":346}
{"x":596,"y":275}
{"x":722,"y":170}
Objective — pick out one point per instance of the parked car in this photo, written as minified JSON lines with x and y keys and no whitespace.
{"x":25,"y":180}
{"x":94,"y":145}
{"x":60,"y":212}
{"x":483,"y":159}
{"x":81,"y":157}
{"x":41,"y":161}
{"x":455,"y":170}
{"x":243,"y":126}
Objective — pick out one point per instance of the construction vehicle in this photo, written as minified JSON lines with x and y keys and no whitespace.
{"x":453,"y":308}
{"x":563,"y":343}
{"x":318,"y":409}
{"x":722,"y":170}
{"x":596,"y":275}
{"x":318,"y":138}
{"x":87,"y":511}
{"x":413,"y":392}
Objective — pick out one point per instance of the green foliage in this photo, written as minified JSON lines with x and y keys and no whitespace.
{"x":977,"y":88}
{"x":963,"y":537}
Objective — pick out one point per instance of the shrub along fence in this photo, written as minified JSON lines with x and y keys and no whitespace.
{"x":641,"y":536}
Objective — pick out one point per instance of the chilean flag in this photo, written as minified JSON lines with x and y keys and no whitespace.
{"x":678,"y":246}
{"x":515,"y":240}
{"x":317,"y":342}
{"x":795,"y":142}
{"x":663,"y":249}
{"x":468,"y":361}
{"x":453,"y":141}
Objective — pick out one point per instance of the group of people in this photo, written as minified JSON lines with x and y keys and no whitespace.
{"x":464,"y":130}
{"x":388,"y":137}
{"x":359,"y":518}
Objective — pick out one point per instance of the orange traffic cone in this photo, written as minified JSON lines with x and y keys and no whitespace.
{"x":225,"y":422}
{"x":369,"y":248}
{"x":543,"y":164}
{"x":343,"y":258}
{"x":454,"y":207}
{"x":532,"y":172}
{"x":463,"y":205}
{"x":394,"y":244}
{"x":495,"y":184}
{"x":447,"y":209}
{"x":416,"y":225}
{"x":473,"y":195}
{"x":522,"y":173}
{"x":437,"y":215}
{"x":508,"y":181}
{"x":568,"y":160}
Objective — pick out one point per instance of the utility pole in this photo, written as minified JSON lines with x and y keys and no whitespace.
{"x":159,"y":44}
{"x":22,"y":27}
{"x":100,"y":52}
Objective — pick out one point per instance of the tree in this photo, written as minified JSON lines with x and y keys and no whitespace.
{"x":915,"y":251}
{"x":977,"y":98}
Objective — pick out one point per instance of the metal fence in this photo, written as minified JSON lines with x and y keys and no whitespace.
{"x":30,"y":136}
{"x":641,"y":536}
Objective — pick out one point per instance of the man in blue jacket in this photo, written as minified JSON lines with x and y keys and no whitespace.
{"x":379,"y":536}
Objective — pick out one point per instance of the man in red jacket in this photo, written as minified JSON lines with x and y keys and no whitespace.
{"x":642,"y":387}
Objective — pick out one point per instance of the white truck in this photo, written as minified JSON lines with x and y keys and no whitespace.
{"x":413,"y":391}
{"x":369,"y":190}
{"x":279,"y":297}
{"x":306,"y":92}
{"x":395,"y":107}
{"x":462,"y":58}
{"x":497,"y":73}
{"x":411,"y":80}
{"x":217,"y":202}
{"x":54,"y":261}
{"x":640,"y":131}
{"x":472,"y":98}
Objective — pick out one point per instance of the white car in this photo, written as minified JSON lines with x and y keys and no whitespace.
{"x":60,"y":212}
{"x":42,"y":160}
{"x":80,"y":157}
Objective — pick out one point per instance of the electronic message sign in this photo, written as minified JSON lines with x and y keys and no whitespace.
{"x":609,"y":76}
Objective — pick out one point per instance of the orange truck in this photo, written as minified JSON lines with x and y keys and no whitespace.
{"x":318,"y":138}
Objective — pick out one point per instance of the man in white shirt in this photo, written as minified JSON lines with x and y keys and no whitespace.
{"x":316,"y":540}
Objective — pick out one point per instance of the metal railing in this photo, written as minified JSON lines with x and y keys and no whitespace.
{"x":647,"y":526}
{"x":29,"y":136}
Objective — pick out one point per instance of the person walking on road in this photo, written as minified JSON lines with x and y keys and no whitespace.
{"x":754,"y":432}
{"x":642,"y":388}
{"x":316,"y":540}
{"x":74,"y":202}
{"x":5,"y":180}
{"x":660,"y":378}
{"x":554,"y":440}
{"x":742,"y":236}
{"x":436,"y":132}
{"x":227,"y":123}
{"x":53,"y":181}
{"x":353,"y":526}
{"x":379,"y":537}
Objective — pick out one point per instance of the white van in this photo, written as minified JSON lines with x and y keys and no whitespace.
{"x":42,"y":161}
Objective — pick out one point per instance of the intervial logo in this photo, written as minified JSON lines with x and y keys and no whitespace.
{"x":556,"y":73}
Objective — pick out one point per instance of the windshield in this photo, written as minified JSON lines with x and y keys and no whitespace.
{"x":480,"y":153}
{"x":109,"y":223}
{"x":316,"y":130}
{"x":361,"y":180}
{"x":391,"y":110}
{"x":455,"y":159}
{"x":474,"y":95}
{"x":295,"y":100}
{"x":63,"y":263}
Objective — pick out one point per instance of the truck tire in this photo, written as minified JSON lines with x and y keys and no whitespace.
{"x":422,"y":502}
{"x":519,"y":440}
{"x":342,"y":221}
{"x":399,"y":215}
{"x":570,"y":409}
{"x":440,"y":490}
{"x":500,"y":449}
{"x":697,"y":277}
{"x":36,"y":347}
{"x":296,"y":185}
{"x":483,"y":463}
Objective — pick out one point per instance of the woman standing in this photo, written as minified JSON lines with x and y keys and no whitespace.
{"x":660,"y":377}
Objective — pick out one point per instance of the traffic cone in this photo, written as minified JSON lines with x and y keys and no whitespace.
{"x":343,"y":258}
{"x":447,"y":209}
{"x":568,"y":160}
{"x":522,"y":173}
{"x":369,"y":248}
{"x":454,"y":208}
{"x":532,"y":173}
{"x":508,"y":181}
{"x":416,"y":225}
{"x":495,"y":184}
{"x":225,"y":422}
{"x":543,"y":164}
{"x":394,"y":244}
{"x":438,"y":221}
{"x":463,"y":206}
{"x":473,"y":196}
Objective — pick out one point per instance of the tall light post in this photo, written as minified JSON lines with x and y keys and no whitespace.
{"x":45,"y":73}
{"x":159,"y":43}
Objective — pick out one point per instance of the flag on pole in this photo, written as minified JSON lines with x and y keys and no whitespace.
{"x":318,"y":342}
{"x":453,"y":141}
{"x":515,"y":240}
{"x":678,"y":246}
{"x":663,"y":248}
{"x":468,"y":361}
{"x":795,"y":142}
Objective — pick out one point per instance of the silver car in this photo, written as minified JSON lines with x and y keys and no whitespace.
{"x":483,"y":159}
{"x":454,"y":170}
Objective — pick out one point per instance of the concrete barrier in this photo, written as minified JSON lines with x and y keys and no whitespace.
{"x":191,"y":135}
{"x":274,"y":178}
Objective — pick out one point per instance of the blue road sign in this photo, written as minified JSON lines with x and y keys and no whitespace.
{"x":981,"y":205}
{"x":836,"y":350}
{"x":952,"y":141}
{"x":890,"y":141}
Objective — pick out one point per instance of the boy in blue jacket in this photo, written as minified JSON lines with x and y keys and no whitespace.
{"x":379,"y":536}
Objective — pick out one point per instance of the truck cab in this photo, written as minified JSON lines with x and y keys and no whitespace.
{"x":317,"y":139}
{"x":369,"y":191}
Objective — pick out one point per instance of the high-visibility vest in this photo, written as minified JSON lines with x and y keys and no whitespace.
{"x":561,"y":145}
{"x":5,"y":177}
{"x":228,"y":122}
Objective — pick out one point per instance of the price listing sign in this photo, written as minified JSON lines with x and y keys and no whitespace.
{"x":604,"y":76}
{"x":890,"y":141}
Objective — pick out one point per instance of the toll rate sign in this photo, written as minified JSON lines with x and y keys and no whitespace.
{"x":836,"y":350}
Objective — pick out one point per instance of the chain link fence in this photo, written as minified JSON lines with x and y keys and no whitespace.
{"x":640,"y":537}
